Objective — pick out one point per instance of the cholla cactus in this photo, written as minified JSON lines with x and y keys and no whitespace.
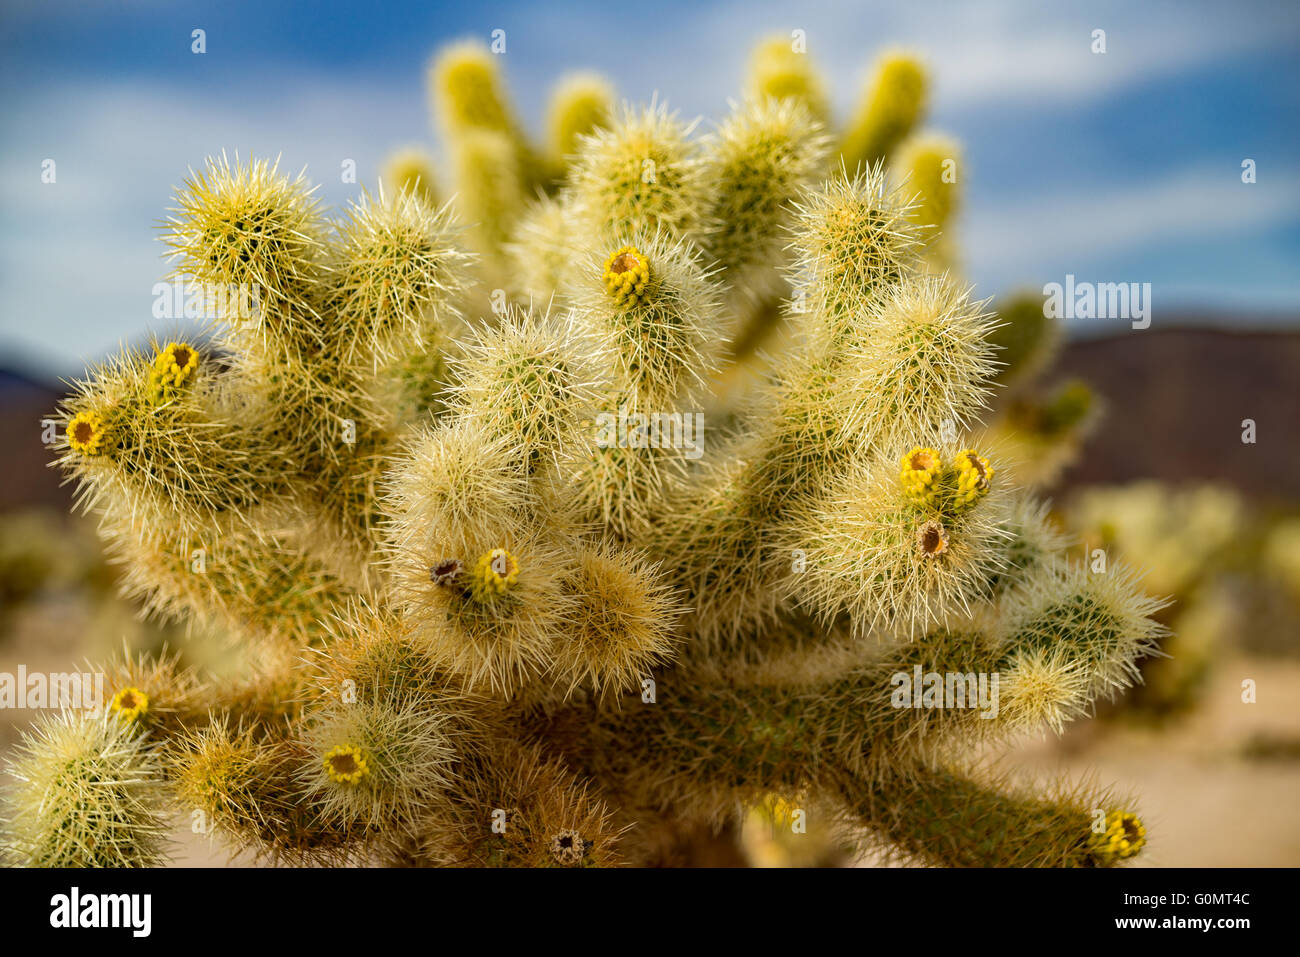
{"x":511,"y":604}
{"x":1038,"y":428}
{"x":893,"y":104}
{"x":411,"y":171}
{"x":1195,"y":538}
{"x":88,"y":793}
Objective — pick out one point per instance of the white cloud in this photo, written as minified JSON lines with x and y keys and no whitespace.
{"x":1049,"y":234}
{"x":993,"y":54}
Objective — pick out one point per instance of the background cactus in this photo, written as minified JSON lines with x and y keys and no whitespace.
{"x":503,"y":603}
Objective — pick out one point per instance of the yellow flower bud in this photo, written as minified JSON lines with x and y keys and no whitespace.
{"x":626,"y":275}
{"x":494,"y":574}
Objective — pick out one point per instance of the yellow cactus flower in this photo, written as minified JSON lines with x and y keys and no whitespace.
{"x":920,"y":469}
{"x":1123,"y":838}
{"x":85,"y":432}
{"x":176,"y":363}
{"x":494,"y":573}
{"x":948,"y":489}
{"x":130,"y":703}
{"x":626,"y":275}
{"x":172,"y":368}
{"x":346,"y":764}
{"x":973,"y":476}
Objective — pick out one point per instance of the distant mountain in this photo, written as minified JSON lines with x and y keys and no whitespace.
{"x":26,"y":480}
{"x":1175,"y":401}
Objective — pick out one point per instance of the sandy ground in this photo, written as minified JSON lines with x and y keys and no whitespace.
{"x":1206,"y":801}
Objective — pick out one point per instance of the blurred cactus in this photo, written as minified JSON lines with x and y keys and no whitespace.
{"x":1207,"y":548}
{"x":580,"y":104}
{"x":1026,"y":338}
{"x":529,"y":612}
{"x":780,"y":68}
{"x":1041,"y":433}
{"x":410,"y":171}
{"x":470,"y":93}
{"x":1038,"y":428}
{"x":1281,"y":556}
{"x":893,"y":105}
{"x":1177,"y":533}
{"x":931,"y":164}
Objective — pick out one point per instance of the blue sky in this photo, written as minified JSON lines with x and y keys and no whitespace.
{"x":1116,"y":167}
